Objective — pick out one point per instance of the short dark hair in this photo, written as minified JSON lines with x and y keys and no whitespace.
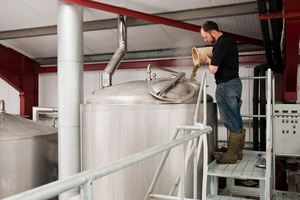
{"x":208,"y":26}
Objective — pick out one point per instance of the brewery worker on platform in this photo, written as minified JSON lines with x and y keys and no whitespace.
{"x":224,"y":64}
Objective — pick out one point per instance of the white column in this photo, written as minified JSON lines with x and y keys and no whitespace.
{"x":70,"y":89}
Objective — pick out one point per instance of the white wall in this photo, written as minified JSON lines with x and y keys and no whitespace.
{"x":11,"y":97}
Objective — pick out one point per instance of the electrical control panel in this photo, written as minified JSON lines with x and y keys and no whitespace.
{"x":286,"y":129}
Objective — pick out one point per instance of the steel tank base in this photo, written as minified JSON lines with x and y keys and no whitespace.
{"x":114,"y":131}
{"x":28,"y":154}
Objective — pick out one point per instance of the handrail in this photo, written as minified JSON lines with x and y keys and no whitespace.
{"x":194,"y":148}
{"x":269,"y":137}
{"x":269,"y":111}
{"x":85,"y":178}
{"x":202,"y":91}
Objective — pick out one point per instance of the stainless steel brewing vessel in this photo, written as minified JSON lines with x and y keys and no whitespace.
{"x":125,"y":119}
{"x":28,"y":154}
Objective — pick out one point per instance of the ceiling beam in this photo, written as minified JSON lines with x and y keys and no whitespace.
{"x":144,"y":55}
{"x":185,"y":15}
{"x":259,"y":58}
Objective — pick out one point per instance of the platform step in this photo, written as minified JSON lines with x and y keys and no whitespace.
{"x":218,"y":197}
{"x":285,"y":195}
{"x":243,"y":169}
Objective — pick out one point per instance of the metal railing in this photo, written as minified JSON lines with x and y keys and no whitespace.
{"x":193,"y":149}
{"x":269,"y":107}
{"x":85,"y":179}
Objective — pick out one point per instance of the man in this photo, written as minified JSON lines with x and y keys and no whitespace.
{"x":224,"y":64}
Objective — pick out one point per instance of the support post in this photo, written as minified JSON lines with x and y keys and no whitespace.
{"x":70,"y":89}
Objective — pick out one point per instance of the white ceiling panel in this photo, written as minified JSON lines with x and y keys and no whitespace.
{"x":148,"y":37}
{"x":43,"y":9}
{"x":30,"y":14}
{"x":184,"y":38}
{"x":18,"y":14}
{"x":246,"y":25}
{"x":97,"y":42}
{"x":90,"y":14}
{"x":35,"y":47}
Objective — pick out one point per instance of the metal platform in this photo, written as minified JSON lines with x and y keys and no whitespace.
{"x":284,"y":198}
{"x":244,"y":169}
{"x":216,"y":197}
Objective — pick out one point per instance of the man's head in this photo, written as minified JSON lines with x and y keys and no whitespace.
{"x":210,"y":32}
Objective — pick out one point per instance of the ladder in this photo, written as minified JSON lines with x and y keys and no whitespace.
{"x":246,"y":168}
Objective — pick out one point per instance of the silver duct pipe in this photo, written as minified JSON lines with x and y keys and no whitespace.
{"x":118,"y":55}
{"x":70,"y":89}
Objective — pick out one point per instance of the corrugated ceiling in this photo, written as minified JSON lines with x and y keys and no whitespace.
{"x":23,"y":23}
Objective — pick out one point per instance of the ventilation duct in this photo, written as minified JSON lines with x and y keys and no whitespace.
{"x":118,"y":55}
{"x":276,"y":25}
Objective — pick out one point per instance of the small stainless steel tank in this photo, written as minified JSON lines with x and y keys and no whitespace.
{"x":125,"y":119}
{"x":28,"y":154}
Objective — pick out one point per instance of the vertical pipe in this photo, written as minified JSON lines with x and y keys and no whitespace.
{"x":195,"y":173}
{"x":269,"y":139}
{"x":262,"y":120}
{"x":204,"y":101}
{"x":70,"y":89}
{"x":277,"y":26}
{"x":205,"y":165}
{"x":255,"y":109}
{"x":262,"y":9}
{"x":183,"y":172}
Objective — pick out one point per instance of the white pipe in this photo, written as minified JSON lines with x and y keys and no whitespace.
{"x":37,"y":110}
{"x":70,"y":89}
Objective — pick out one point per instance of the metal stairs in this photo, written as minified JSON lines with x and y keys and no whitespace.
{"x":245,"y":169}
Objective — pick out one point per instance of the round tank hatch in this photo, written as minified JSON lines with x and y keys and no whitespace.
{"x":178,"y":93}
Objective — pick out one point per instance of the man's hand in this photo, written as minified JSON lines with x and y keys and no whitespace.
{"x":213,"y":69}
{"x":208,"y":60}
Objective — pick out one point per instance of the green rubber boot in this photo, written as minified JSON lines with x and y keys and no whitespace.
{"x":230,"y":156}
{"x":241,"y":147}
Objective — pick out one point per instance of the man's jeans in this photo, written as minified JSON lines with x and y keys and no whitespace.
{"x":228,"y":95}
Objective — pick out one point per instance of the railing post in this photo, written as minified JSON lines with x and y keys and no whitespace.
{"x":269,"y":139}
{"x":205,"y":163}
{"x":87,"y":190}
{"x":195,"y":173}
{"x":161,"y":165}
{"x":183,"y":172}
{"x":204,"y":100}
